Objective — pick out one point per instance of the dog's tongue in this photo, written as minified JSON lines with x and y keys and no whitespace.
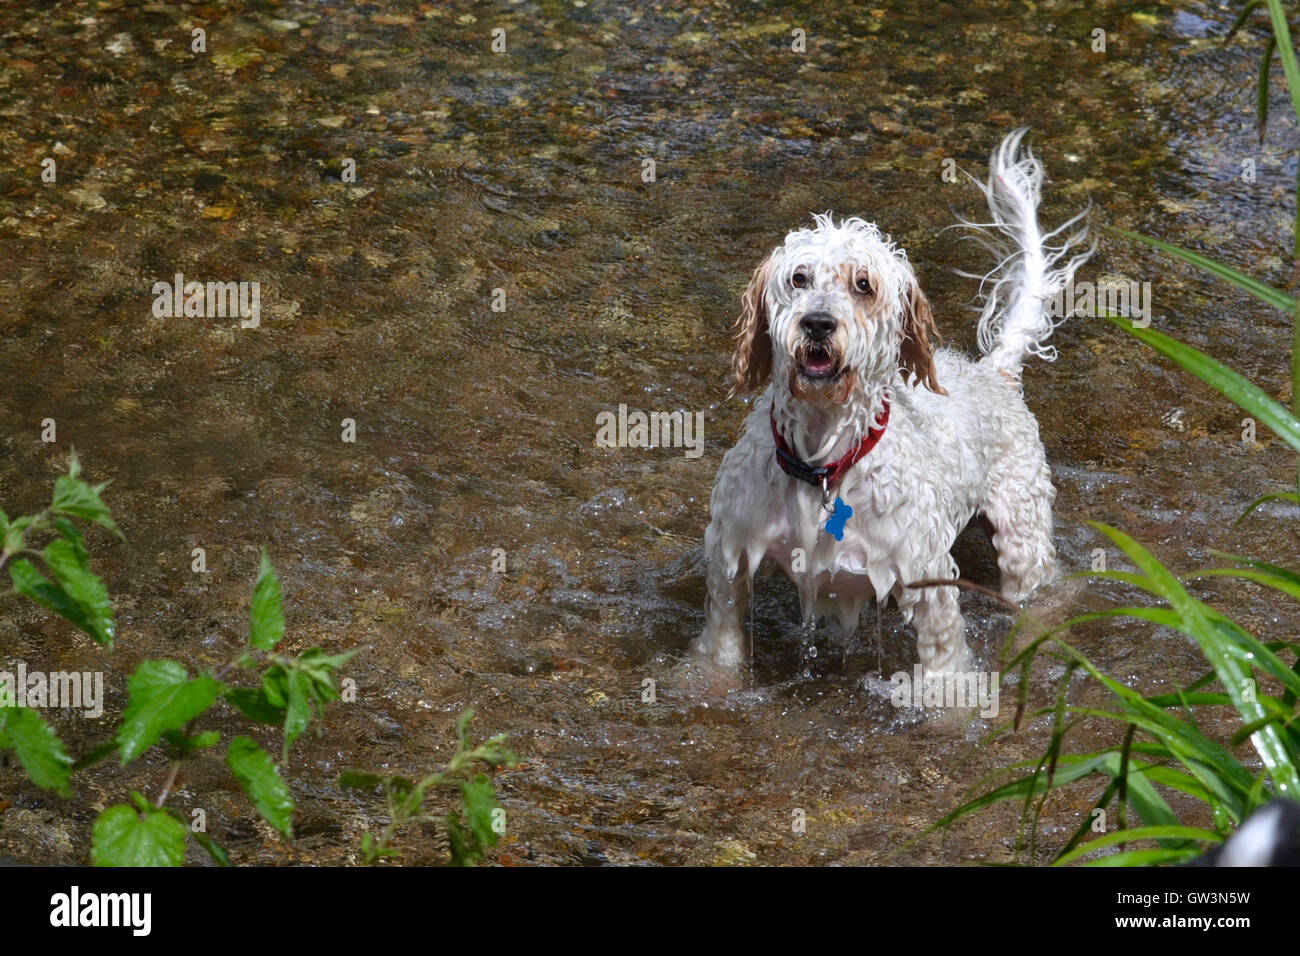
{"x":818,"y":364}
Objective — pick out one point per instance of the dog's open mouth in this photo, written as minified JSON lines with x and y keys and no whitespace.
{"x":819,"y":363}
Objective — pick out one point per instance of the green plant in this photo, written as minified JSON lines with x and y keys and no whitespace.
{"x":165,"y":704}
{"x":470,"y":830}
{"x":1163,"y":746}
{"x":1163,"y":749}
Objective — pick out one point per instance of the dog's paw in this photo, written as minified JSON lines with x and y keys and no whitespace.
{"x":708,"y":674}
{"x":956,"y":662}
{"x":1049,"y":606}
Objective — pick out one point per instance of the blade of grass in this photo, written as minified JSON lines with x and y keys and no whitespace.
{"x":1282,"y":31}
{"x":1236,"y":387}
{"x":1261,"y":92}
{"x":1290,"y":496}
{"x":1237,"y":24}
{"x":1211,"y":636}
{"x":1145,"y":857}
{"x":1138,"y":833}
{"x":1260,"y":290}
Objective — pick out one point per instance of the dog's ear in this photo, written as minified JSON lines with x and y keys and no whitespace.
{"x":752,"y":362}
{"x":919,"y":331}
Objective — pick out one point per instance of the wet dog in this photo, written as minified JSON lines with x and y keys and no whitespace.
{"x":861,"y":411}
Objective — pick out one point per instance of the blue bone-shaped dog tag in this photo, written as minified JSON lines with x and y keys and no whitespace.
{"x":840,"y":514}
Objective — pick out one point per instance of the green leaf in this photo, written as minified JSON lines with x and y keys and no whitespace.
{"x":1263,"y":566}
{"x":1177,"y":780}
{"x":305,"y":684}
{"x":37,"y":747}
{"x":1290,"y":496}
{"x":275,"y":686}
{"x":1212,"y":765}
{"x":68,"y":560}
{"x":321,"y":667}
{"x":30,"y":583}
{"x":75,"y":498}
{"x":1237,"y":24}
{"x":479,"y":801}
{"x":463,"y":851}
{"x":162,"y":697}
{"x":298,"y":714}
{"x":14,"y":533}
{"x":1266,"y":293}
{"x":403,"y":788}
{"x":462,"y":728}
{"x":1261,"y":91}
{"x":1216,"y":638}
{"x":123,"y":836}
{"x":1287,"y":52}
{"x":1139,"y":833}
{"x":1145,"y":798}
{"x":183,"y":745}
{"x":74,"y":537}
{"x":359,"y":780}
{"x":260,"y":779}
{"x":1234,"y":386}
{"x":467,"y":843}
{"x":495,"y":752}
{"x":95,"y":755}
{"x":1146,"y":857}
{"x":214,"y":849}
{"x":1287,"y":585}
{"x":266,"y":612}
{"x":254,"y":704}
{"x":1241,"y":646}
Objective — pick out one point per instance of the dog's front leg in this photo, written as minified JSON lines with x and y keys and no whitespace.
{"x":941,"y":633}
{"x":940,"y":630}
{"x":723,"y":640}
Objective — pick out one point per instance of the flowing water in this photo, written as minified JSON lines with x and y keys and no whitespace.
{"x":475,"y":428}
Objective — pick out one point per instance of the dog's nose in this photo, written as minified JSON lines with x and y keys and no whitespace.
{"x":818,"y":325}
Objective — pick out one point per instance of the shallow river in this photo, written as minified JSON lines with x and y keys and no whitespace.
{"x":522,"y":172}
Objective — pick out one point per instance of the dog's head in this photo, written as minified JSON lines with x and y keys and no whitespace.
{"x":834,"y":310}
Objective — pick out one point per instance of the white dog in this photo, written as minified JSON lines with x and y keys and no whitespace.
{"x":860,"y":412}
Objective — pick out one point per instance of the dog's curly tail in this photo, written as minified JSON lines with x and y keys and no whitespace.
{"x":1018,"y":293}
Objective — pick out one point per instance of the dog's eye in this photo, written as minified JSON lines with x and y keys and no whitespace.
{"x":799,"y":280}
{"x":863,"y":285}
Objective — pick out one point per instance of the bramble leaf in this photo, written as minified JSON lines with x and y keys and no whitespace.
{"x":75,"y":498}
{"x":125,"y":836}
{"x":254,"y":704}
{"x":261,"y":780}
{"x":266,"y":610}
{"x":30,"y":583}
{"x":37,"y":747}
{"x":162,"y":697}
{"x":68,"y":560}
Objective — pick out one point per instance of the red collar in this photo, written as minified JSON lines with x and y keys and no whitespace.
{"x":824,"y":476}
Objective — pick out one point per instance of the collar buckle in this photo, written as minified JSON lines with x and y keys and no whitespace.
{"x":824,"y":476}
